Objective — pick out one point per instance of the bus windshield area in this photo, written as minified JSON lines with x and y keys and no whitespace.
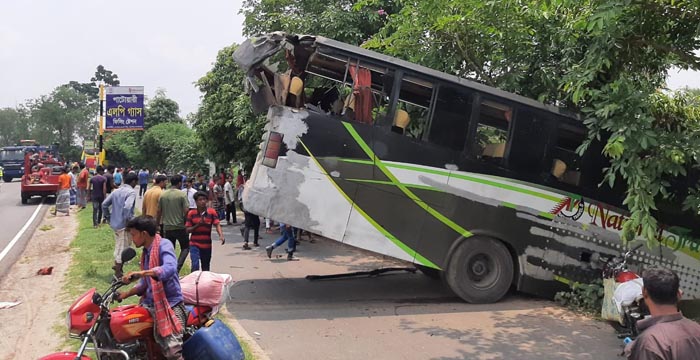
{"x":11,"y":155}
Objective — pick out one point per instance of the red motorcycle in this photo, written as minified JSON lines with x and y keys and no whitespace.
{"x":124,"y":332}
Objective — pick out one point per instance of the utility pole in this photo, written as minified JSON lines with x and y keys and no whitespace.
{"x":102,"y":94}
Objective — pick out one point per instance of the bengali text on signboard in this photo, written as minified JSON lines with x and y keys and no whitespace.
{"x":124,"y":108}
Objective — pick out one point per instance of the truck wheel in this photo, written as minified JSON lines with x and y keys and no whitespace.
{"x":24,"y":199}
{"x":430,"y":272}
{"x":480,"y":270}
{"x":6,"y":179}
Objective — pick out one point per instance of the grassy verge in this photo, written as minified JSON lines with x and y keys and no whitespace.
{"x":91,"y":266}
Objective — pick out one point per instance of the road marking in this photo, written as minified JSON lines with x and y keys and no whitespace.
{"x":24,"y":228}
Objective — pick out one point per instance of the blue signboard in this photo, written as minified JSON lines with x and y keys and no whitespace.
{"x":124,"y":108}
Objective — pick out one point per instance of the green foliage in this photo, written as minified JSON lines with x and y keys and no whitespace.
{"x":587,"y":298}
{"x":341,"y":20}
{"x":61,"y":117}
{"x":91,"y":89}
{"x":13,"y":125}
{"x":177,"y":146}
{"x":224,"y":122}
{"x":161,"y":109}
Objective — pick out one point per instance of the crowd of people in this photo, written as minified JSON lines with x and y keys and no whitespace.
{"x":181,"y":209}
{"x":186,"y":208}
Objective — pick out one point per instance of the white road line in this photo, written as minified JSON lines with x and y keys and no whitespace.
{"x":24,"y":228}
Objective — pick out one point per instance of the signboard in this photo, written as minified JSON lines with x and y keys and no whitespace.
{"x":124,"y":108}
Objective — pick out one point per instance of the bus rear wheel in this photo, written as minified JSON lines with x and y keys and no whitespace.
{"x":480,"y":270}
{"x":7,"y":179}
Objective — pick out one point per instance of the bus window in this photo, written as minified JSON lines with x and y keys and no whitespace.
{"x":492,"y":129}
{"x":450,"y":122}
{"x":566,"y":163}
{"x":529,"y":145}
{"x":411,"y":117}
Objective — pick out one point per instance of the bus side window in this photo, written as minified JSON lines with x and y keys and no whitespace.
{"x":492,"y":130}
{"x":529,"y":143}
{"x":568,"y":139}
{"x":450,"y":122}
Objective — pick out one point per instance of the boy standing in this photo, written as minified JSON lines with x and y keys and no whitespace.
{"x":199,"y":223}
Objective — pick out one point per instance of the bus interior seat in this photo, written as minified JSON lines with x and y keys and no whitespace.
{"x":296,"y":91}
{"x":561,"y":172}
{"x":572,"y":177}
{"x":349,"y":107}
{"x":401,"y":121}
{"x":282,"y":82}
{"x":494,"y":150}
{"x":558,"y":169}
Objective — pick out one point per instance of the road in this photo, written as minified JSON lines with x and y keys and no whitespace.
{"x":394,"y":316}
{"x":14,"y":217}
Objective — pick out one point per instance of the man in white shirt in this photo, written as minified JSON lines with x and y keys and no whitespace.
{"x":229,"y":199}
{"x":190,"y":191}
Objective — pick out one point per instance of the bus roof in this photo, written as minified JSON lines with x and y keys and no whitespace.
{"x":390,"y":61}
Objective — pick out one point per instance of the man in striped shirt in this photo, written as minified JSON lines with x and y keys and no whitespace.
{"x":199,"y":223}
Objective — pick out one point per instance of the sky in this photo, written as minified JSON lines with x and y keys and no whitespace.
{"x":152,"y":43}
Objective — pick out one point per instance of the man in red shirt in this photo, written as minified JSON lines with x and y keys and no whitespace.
{"x":82,"y":185}
{"x":199,"y":223}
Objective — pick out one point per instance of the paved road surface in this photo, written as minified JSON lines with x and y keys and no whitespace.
{"x":14,"y":216}
{"x":397,"y":316}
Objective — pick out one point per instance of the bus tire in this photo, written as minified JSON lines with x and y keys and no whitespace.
{"x":432,"y":273}
{"x":24,"y":199}
{"x":480,"y":270}
{"x":7,"y":178}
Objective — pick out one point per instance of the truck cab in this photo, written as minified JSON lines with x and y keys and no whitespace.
{"x":12,"y":162}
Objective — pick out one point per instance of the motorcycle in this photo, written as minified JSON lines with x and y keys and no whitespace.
{"x":123,"y":332}
{"x":623,"y":289}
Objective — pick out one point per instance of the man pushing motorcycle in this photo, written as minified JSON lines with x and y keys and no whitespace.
{"x":159,"y":286}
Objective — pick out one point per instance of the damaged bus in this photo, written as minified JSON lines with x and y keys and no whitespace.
{"x":478,"y":185}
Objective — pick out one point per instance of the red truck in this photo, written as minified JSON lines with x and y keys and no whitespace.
{"x":41,"y":171}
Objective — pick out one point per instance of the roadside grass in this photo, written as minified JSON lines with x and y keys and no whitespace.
{"x":91,"y":266}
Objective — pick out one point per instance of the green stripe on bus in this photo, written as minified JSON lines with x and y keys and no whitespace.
{"x":444,"y":219}
{"x":420,"y":258}
{"x":463,"y":177}
{"x":509,"y":205}
{"x":563,"y":280}
{"x":381,"y":182}
{"x":546,"y":215}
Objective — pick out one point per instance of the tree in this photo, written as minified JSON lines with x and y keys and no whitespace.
{"x":13,"y":125}
{"x":161,"y":109}
{"x":224,"y":122}
{"x":337,"y":19}
{"x":62,"y":117}
{"x":91,"y":89}
{"x":177,"y":147}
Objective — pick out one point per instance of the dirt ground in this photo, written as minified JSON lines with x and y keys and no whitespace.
{"x":28,"y":329}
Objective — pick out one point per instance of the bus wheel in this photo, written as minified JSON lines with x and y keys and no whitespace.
{"x":7,"y":179}
{"x":24,"y":199}
{"x":480,"y":270}
{"x":430,"y":272}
